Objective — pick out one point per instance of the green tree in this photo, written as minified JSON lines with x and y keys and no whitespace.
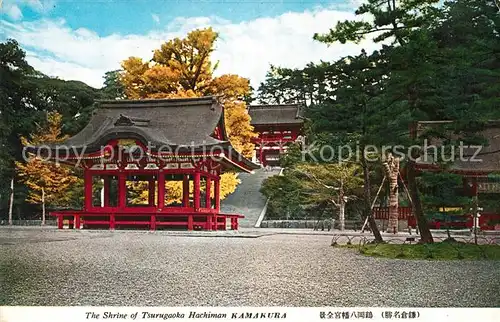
{"x":444,"y":190}
{"x":113,"y":88}
{"x":48,"y":183}
{"x":26,"y":95}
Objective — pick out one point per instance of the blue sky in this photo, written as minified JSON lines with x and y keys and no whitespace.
{"x":139,"y":16}
{"x":81,"y":39}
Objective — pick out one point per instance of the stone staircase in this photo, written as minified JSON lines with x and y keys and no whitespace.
{"x":246,"y":199}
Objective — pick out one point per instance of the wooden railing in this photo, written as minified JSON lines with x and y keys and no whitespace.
{"x":487,"y":221}
{"x":383,"y":212}
{"x":190,"y":220}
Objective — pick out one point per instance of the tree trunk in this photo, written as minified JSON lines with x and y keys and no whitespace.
{"x":11,"y":201}
{"x":423,"y":226}
{"x":391,"y":167}
{"x":43,"y":206}
{"x":342,"y":214}
{"x":368,"y":198}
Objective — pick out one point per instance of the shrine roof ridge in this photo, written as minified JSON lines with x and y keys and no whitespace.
{"x":180,"y":124}
{"x":275,"y":114}
{"x":489,"y":153}
{"x":157,"y":102}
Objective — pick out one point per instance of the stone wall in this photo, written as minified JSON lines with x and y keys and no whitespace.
{"x":51,"y":222}
{"x":292,"y":224}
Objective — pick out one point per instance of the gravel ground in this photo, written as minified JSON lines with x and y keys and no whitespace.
{"x":49,"y":267}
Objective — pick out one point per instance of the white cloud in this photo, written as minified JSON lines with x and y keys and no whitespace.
{"x":246,"y":48}
{"x":14,"y":12}
{"x":13,"y":8}
{"x":155,"y":17}
{"x":357,"y":3}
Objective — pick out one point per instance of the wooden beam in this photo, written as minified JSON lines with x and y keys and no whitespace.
{"x":152,"y":225}
{"x":208,"y":225}
{"x":185,"y":191}
{"x":208,"y":193}
{"x":161,"y":190}
{"x":122,"y":190}
{"x":60,"y":221}
{"x":77,"y":221}
{"x":151,"y":192}
{"x":112,"y":221}
{"x":87,"y":178}
{"x":217,"y":194}
{"x":197,"y":191}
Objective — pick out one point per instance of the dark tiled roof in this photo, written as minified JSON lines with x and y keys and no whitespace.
{"x":275,"y":114}
{"x":489,"y":154}
{"x":187,"y":122}
{"x":170,"y":122}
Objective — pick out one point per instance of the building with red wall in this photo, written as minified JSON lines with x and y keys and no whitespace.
{"x":152,"y":142}
{"x":277,"y":126}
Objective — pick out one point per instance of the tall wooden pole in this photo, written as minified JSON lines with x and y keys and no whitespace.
{"x":43,"y":206}
{"x":87,"y":182}
{"x":161,"y":190}
{"x":122,"y":190}
{"x":151,"y":192}
{"x":208,"y":193}
{"x":11,"y":202}
{"x":217,"y":194}
{"x":196,"y":191}
{"x":367,"y":194}
{"x":185,"y":191}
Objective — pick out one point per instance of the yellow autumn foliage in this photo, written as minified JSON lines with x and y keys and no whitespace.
{"x":182,"y":68}
{"x":174,"y":189}
{"x":54,"y":179}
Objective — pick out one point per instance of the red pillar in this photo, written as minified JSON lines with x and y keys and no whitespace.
{"x":190,"y":222}
{"x":77,"y":221}
{"x":122,"y":190}
{"x":152,"y":226}
{"x":215,"y":222}
{"x":112,"y":221}
{"x":161,"y":190}
{"x":60,"y":221}
{"x":217,"y":194}
{"x":107,"y":182}
{"x":196,"y":191}
{"x":261,"y":155}
{"x":208,"y":193}
{"x":185,"y":191}
{"x":151,"y":192}
{"x":208,"y":225}
{"x":87,"y":178}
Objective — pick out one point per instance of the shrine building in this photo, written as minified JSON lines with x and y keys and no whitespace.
{"x":173,"y":150}
{"x":479,"y":168}
{"x":277,"y":126}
